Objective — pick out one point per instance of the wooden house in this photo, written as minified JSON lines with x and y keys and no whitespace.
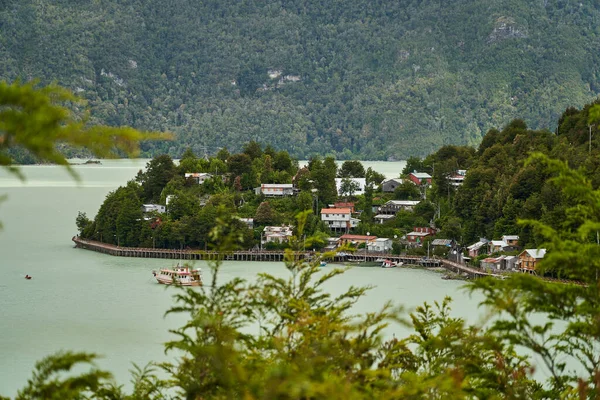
{"x":389,"y":185}
{"x":529,"y":259}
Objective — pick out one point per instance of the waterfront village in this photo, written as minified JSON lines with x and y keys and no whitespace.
{"x":351,"y":209}
{"x":342,"y":217}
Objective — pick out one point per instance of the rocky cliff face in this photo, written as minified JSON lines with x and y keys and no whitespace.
{"x":506,"y":28}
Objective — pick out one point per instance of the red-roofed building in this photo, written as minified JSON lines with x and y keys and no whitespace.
{"x":344,"y":205}
{"x":419,"y":233}
{"x":339,"y":218}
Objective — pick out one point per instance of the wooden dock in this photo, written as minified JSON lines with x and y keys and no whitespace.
{"x":268,"y":255}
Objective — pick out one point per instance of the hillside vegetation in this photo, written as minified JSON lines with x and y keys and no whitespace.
{"x":366,"y":79}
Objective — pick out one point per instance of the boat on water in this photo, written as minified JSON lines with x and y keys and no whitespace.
{"x":179,"y":275}
{"x":390,"y":264}
{"x":323,"y":264}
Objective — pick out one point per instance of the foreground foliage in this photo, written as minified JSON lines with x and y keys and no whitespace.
{"x":558,"y":322}
{"x":36,"y":120}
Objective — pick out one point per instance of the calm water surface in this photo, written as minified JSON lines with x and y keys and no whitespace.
{"x":84,"y":301}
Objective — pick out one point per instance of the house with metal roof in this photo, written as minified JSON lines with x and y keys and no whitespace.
{"x":419,"y":178}
{"x":511,"y":240}
{"x":529,"y":259}
{"x":275,"y":189}
{"x":393,"y":206}
{"x":389,"y":185}
{"x":380,"y":245}
{"x":277,"y":234}
{"x":478,"y":248}
{"x":496,"y":246}
{"x":383,"y":218}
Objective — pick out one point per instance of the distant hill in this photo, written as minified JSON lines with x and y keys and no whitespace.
{"x":369,"y":79}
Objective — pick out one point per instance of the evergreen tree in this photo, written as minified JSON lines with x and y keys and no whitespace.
{"x":159,"y":171}
{"x":265,"y":214}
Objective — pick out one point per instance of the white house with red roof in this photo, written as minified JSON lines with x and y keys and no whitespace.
{"x":339,"y":218}
{"x":340,"y":204}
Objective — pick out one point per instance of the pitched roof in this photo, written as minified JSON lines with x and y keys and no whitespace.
{"x":510,"y":237}
{"x":421,"y":175}
{"x":414,"y":233}
{"x":273,"y":229}
{"x":397,"y":180}
{"x":536,"y":253}
{"x":277,"y":185}
{"x":403,"y":202}
{"x":384,"y":216}
{"x":357,"y":237}
{"x":335,"y":211}
{"x":476,"y":246}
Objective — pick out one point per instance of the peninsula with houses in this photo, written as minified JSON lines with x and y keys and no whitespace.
{"x":460,"y":204}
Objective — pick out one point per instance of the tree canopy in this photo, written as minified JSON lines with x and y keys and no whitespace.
{"x":368,"y":80}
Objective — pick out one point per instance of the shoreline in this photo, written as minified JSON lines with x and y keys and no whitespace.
{"x":266,"y":255}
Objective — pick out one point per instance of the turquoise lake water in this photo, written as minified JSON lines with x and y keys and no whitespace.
{"x":85,"y":301}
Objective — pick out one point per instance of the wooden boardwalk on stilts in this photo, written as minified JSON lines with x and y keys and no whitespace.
{"x":267,"y":255}
{"x":179,"y":254}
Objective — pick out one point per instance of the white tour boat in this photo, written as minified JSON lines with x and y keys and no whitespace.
{"x":391,"y":264}
{"x":179,"y":275}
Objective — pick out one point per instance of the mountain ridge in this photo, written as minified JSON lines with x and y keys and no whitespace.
{"x":375,"y":80}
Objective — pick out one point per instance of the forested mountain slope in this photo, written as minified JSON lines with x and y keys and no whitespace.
{"x":373,"y":79}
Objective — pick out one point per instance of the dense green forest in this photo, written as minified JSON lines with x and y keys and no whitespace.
{"x":369,"y":80}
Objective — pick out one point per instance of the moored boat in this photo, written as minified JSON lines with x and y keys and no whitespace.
{"x":390,"y":264}
{"x":179,"y":275}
